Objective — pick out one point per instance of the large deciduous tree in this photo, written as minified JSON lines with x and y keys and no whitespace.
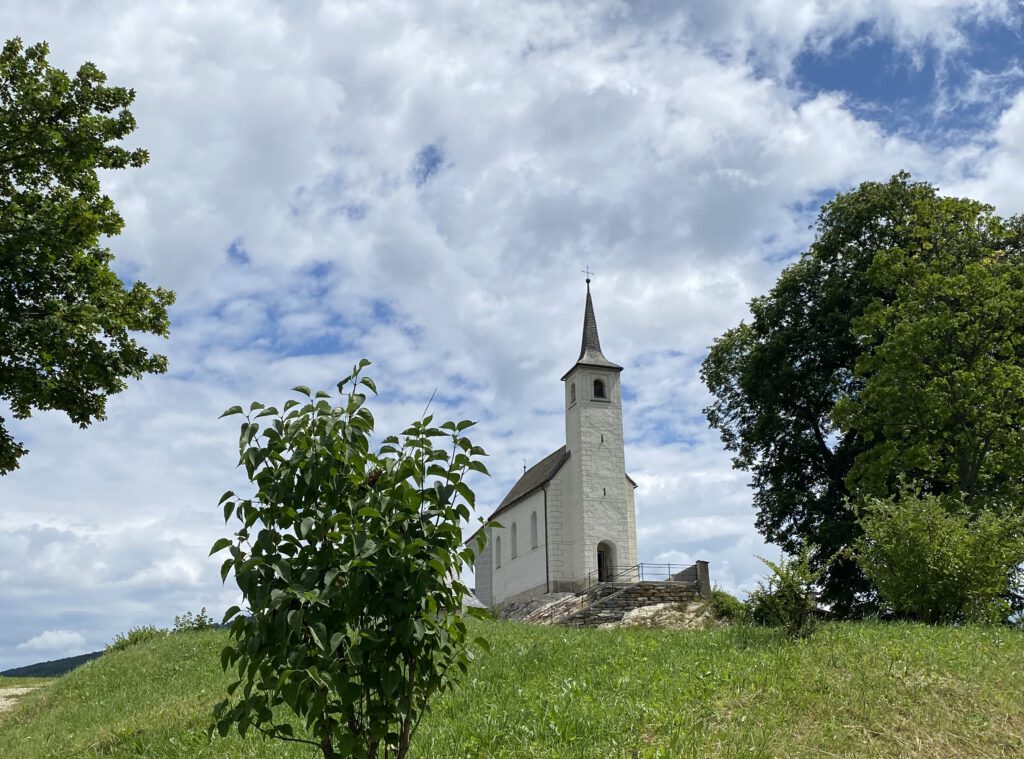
{"x":65,"y":317}
{"x":892,"y":347}
{"x":942,"y":365}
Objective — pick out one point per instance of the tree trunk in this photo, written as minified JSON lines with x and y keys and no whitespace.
{"x":328,"y":748}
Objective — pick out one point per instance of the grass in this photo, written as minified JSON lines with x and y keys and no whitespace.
{"x":851,"y":690}
{"x":24,"y":682}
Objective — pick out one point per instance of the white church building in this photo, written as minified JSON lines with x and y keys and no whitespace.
{"x":570,"y":520}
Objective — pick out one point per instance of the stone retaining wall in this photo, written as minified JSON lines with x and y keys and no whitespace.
{"x":612,"y":607}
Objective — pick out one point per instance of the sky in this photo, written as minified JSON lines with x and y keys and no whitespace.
{"x":421,"y":183}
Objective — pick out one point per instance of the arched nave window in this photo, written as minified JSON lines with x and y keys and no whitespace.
{"x":497,"y":552}
{"x":515,"y":541}
{"x":533,"y":530}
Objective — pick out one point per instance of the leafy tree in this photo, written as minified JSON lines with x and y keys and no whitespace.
{"x":347,"y":560}
{"x":935,"y":559}
{"x":810,"y":393}
{"x":65,"y":317}
{"x":942,"y":365}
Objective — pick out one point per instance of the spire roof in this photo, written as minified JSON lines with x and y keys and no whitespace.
{"x":590,"y":350}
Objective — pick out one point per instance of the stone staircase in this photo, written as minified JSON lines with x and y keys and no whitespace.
{"x":602,"y":603}
{"x":569,"y":604}
{"x":612,"y":607}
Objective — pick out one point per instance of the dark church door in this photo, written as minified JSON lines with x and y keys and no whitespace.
{"x":602,"y":566}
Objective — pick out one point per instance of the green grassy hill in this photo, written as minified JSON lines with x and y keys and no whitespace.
{"x":851,"y":690}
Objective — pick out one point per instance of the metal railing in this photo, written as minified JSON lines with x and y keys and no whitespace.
{"x":642,"y":572}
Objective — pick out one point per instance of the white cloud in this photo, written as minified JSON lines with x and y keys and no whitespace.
{"x":991,"y":168}
{"x":65,"y":642}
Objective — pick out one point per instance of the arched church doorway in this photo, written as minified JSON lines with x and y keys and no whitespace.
{"x":605,"y":561}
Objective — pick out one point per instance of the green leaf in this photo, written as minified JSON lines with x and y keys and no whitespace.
{"x":306,"y":527}
{"x":220,"y":545}
{"x":231,"y":412}
{"x":302,"y":389}
{"x":336,"y":640}
{"x":317,"y":632}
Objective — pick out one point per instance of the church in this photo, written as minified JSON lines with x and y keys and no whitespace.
{"x":570,"y":520}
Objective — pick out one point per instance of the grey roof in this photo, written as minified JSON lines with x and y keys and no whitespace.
{"x":590,"y":350}
{"x":534,"y":478}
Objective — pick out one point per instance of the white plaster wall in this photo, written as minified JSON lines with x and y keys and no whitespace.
{"x":563,"y":529}
{"x":526,"y":572}
{"x":482,"y":569}
{"x":600,"y":500}
{"x":631,"y":559}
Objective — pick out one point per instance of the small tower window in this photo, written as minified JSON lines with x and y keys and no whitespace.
{"x":599,"y":388}
{"x":515,"y":541}
{"x":572,"y":393}
{"x":497,"y":552}
{"x":533,"y":530}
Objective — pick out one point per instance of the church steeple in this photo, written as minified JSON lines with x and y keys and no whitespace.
{"x":590,"y":349}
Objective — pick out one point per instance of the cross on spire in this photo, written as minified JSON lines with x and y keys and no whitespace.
{"x":589,"y":274}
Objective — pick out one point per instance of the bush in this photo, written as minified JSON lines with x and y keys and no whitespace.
{"x":788,"y":599}
{"x":935,"y":561}
{"x":726,"y":607}
{"x":135,"y":636}
{"x":348,"y":559}
{"x":189,"y":622}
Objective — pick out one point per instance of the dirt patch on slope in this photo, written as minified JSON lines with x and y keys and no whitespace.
{"x":9,"y":696}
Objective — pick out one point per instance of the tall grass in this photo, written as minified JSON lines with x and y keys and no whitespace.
{"x":23,"y":682}
{"x":869,"y":689}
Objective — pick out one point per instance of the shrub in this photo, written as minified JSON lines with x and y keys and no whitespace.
{"x":189,"y":622}
{"x":787,"y":599}
{"x":135,"y":636}
{"x":347,"y":559}
{"x":934,"y":560}
{"x":726,"y":607}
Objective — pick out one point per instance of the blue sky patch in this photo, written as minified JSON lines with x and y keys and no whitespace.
{"x":920,"y":91}
{"x":236,"y":253}
{"x":428,"y":163}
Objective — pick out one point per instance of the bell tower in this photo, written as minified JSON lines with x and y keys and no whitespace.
{"x":599,"y":506}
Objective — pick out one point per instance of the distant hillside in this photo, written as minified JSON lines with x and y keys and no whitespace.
{"x":54,"y":668}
